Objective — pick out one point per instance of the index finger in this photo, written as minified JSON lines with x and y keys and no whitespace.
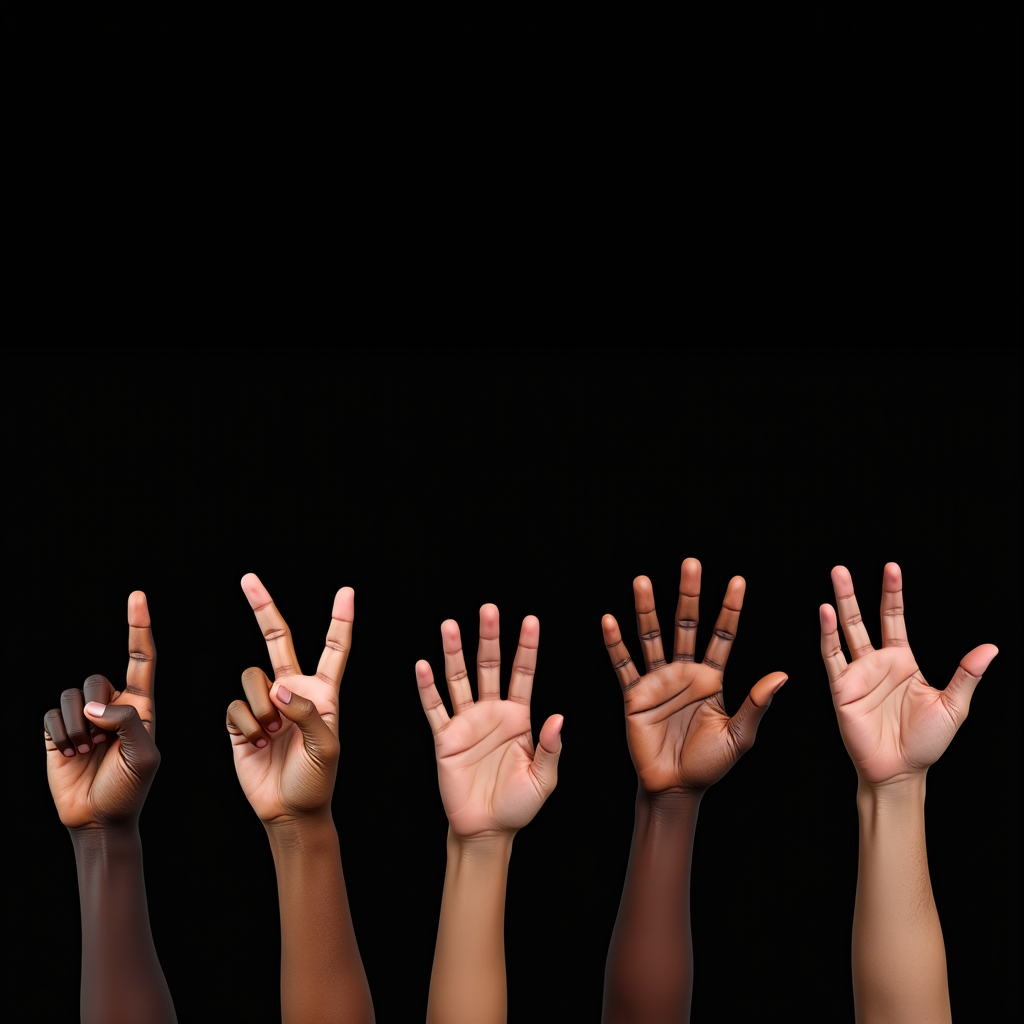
{"x":141,"y":672}
{"x":339,"y":638}
{"x":275,"y":629}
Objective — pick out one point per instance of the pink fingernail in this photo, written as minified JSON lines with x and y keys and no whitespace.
{"x":284,"y":695}
{"x":100,"y":737}
{"x":274,"y":726}
{"x":68,"y":752}
{"x":84,"y":748}
{"x":94,"y":708}
{"x":261,"y":742}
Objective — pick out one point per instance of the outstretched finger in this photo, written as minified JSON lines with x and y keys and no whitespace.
{"x":726,"y":624}
{"x":854,"y":630}
{"x":647,"y":626}
{"x":433,"y":706}
{"x":524,"y":665}
{"x":894,"y":627}
{"x":339,"y":638}
{"x":488,"y":655}
{"x":959,"y":690}
{"x":743,"y":725}
{"x":831,"y":648}
{"x":275,"y":629}
{"x":687,"y":611}
{"x":141,"y":674}
{"x":625,"y":670}
{"x":455,"y":667}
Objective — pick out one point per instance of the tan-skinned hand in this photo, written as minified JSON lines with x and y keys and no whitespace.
{"x":101,"y":754}
{"x":893,"y":723}
{"x":284,"y":736}
{"x":492,"y":778}
{"x":679,"y":734}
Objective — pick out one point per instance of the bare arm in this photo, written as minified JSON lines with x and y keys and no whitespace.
{"x":894,"y":726}
{"x":284,"y":738}
{"x":681,"y":741}
{"x":101,"y":758}
{"x":493,"y":780}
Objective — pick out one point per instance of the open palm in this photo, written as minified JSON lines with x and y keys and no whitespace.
{"x":893,"y":723}
{"x":286,"y":770}
{"x":679,"y":734}
{"x":491,"y":776}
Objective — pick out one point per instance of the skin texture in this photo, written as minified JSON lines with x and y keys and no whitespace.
{"x":101,"y":758}
{"x":492,"y":781}
{"x":894,"y":726}
{"x":284,"y":739}
{"x":681,"y":741}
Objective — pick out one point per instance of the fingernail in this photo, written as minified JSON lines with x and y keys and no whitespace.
{"x":94,"y":708}
{"x":284,"y":695}
{"x":261,"y":742}
{"x":778,"y":686}
{"x":274,"y":726}
{"x":68,"y":752}
{"x":84,"y":748}
{"x":100,"y":737}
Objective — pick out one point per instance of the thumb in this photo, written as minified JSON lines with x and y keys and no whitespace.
{"x":321,"y":744}
{"x":958,"y":692}
{"x":743,"y":725}
{"x":138,"y":748}
{"x":545,"y":758}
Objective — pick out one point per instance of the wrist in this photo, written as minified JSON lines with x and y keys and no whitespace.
{"x":669,"y":804}
{"x":301,"y":834}
{"x":907,"y":790}
{"x":480,"y":846}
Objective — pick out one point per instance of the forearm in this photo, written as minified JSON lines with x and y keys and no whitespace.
{"x":467,"y":982}
{"x":649,"y":971}
{"x":322,"y":973}
{"x":899,"y":960}
{"x":122,"y":980}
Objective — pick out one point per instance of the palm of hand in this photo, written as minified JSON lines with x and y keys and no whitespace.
{"x":484,"y":759}
{"x":281,"y":778}
{"x":892,"y":722}
{"x":99,"y":788}
{"x":675,"y":725}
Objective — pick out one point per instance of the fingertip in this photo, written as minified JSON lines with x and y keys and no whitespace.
{"x":94,"y":709}
{"x":344,"y":604}
{"x":254,"y":590}
{"x":424,"y":674}
{"x":827,"y":618}
{"x":977,"y":661}
{"x":551,"y":735}
{"x":892,"y":577}
{"x":138,"y":609}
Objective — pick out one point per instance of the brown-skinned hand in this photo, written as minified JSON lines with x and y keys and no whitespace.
{"x":679,"y":734}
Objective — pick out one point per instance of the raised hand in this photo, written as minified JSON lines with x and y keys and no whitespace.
{"x":679,"y":734}
{"x":492,"y":778}
{"x":284,"y":737}
{"x":101,"y":758}
{"x":893,"y":723}
{"x":101,"y":754}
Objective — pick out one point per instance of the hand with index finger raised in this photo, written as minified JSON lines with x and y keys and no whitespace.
{"x":101,"y":755}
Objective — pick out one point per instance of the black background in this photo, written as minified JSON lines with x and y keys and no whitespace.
{"x":513,"y":303}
